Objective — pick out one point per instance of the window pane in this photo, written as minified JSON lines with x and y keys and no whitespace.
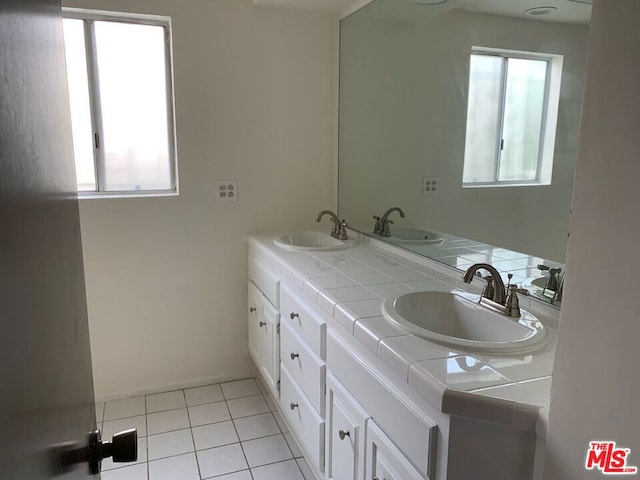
{"x":483,"y":114}
{"x":133,"y":98}
{"x":78,"y":83}
{"x":524,"y":106}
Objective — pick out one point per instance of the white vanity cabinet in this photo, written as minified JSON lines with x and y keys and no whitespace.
{"x":353,"y":415}
{"x":264,"y":344}
{"x":264,"y":322}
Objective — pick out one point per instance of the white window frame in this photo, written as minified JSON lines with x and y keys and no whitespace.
{"x":89,"y":17}
{"x":549,"y":119}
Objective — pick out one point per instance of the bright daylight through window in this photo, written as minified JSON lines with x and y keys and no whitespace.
{"x":120,"y":88}
{"x":511,"y":118}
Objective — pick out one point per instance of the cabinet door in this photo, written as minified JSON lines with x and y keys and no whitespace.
{"x":270,"y":344}
{"x":254,"y":325}
{"x":345,"y":436}
{"x":384,"y":460}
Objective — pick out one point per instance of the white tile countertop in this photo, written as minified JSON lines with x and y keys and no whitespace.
{"x":351,"y":284}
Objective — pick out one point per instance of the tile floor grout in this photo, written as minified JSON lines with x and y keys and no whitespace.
{"x":245,"y":389}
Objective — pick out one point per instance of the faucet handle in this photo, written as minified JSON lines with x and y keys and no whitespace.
{"x":342,"y":235}
{"x":376,"y":228}
{"x":512,"y":305}
{"x":489,"y":290}
{"x":384,"y":227}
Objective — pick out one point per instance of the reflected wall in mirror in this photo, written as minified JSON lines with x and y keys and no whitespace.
{"x":404,"y":98}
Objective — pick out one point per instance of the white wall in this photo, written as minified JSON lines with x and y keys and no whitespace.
{"x":596,"y":392}
{"x":403,"y":116}
{"x":166,"y":277}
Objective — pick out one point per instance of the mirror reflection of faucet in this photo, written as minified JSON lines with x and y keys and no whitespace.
{"x":382,"y":223}
{"x":554,"y":284}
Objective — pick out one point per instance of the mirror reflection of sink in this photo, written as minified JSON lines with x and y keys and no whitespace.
{"x":310,"y":241}
{"x":539,"y":282}
{"x":413,"y":235}
{"x":455,"y":319}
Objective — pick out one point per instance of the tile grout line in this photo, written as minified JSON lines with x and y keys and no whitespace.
{"x":193,"y":440}
{"x":240,"y":442}
{"x":232,"y":419}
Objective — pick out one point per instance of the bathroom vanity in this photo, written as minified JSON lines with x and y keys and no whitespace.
{"x":367,"y":400}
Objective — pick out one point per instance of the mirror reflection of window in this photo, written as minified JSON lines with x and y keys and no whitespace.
{"x":508,"y":115}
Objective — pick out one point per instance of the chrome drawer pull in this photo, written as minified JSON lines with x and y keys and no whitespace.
{"x":294,"y":315}
{"x":262,"y":324}
{"x":342,"y":434}
{"x":294,"y":356}
{"x":252,"y":309}
{"x":293,"y":405}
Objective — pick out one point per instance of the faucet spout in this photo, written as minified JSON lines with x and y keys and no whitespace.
{"x":384,"y":222}
{"x":335,"y":229}
{"x":393,"y":209}
{"x":499,"y":295}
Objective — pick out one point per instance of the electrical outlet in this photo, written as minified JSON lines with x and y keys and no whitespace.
{"x":226,"y":190}
{"x":430,"y":185}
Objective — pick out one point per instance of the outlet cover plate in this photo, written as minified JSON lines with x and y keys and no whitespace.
{"x":430,"y":185}
{"x":226,"y":190}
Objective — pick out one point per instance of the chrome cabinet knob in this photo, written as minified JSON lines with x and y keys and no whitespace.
{"x":294,"y":356}
{"x":293,"y":406}
{"x":294,"y":315}
{"x":252,"y":309}
{"x":342,"y":434}
{"x":262,"y":324}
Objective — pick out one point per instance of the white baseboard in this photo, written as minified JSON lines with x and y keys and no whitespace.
{"x":196,"y":382}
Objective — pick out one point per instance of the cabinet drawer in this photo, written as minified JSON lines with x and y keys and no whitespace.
{"x":307,"y":369}
{"x":304,"y":319}
{"x":260,"y":274}
{"x":302,"y":418}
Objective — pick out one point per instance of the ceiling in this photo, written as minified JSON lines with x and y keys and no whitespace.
{"x":337,"y":7}
{"x":568,"y":11}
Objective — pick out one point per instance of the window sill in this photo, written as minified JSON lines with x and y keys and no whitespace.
{"x":106,"y":195}
{"x":505,"y":184}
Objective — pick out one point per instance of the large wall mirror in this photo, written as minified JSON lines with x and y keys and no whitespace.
{"x":466,"y":115}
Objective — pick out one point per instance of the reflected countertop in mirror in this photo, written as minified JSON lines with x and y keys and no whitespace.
{"x":405,"y":83}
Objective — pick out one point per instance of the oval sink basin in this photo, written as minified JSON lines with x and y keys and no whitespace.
{"x":539,"y":282}
{"x":414,"y":235}
{"x":456,"y":319}
{"x":310,"y":241}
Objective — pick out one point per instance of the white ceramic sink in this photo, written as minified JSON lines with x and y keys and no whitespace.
{"x":414,"y":235}
{"x":455,"y":319}
{"x":310,"y":241}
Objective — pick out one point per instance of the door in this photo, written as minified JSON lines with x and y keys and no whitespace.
{"x":46,"y":386}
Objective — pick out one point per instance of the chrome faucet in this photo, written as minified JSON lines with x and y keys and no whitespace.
{"x":496,"y":296}
{"x":497,"y":292}
{"x":338,"y":229}
{"x":382,"y":223}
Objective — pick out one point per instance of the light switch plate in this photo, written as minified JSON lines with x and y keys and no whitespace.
{"x":430,"y":185}
{"x":226,"y":190}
